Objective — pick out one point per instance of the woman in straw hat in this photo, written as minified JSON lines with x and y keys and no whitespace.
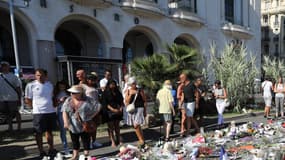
{"x":77,"y":109}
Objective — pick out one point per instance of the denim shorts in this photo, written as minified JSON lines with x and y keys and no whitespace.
{"x":190,"y":108}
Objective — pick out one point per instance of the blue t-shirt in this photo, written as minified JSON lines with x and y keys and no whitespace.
{"x":173,"y":93}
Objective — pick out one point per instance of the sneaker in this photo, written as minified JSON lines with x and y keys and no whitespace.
{"x":52,"y":153}
{"x":59,"y":156}
{"x":43,"y":154}
{"x":67,"y":153}
{"x":97,"y":144}
{"x":83,"y":157}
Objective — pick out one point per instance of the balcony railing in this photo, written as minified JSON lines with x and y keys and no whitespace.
{"x":184,"y":12}
{"x":94,"y":3}
{"x":142,"y":7}
{"x":239,"y":31}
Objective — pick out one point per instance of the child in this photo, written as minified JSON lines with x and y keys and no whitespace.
{"x":59,"y":96}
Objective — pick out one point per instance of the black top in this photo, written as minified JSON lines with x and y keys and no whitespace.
{"x":115,"y":100}
{"x":189,"y":93}
{"x":139,"y":103}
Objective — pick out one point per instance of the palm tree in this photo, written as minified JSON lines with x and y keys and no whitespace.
{"x":151,"y":71}
{"x":184,"y":59}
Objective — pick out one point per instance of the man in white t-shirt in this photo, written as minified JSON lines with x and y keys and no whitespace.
{"x":107,"y":77}
{"x":267,"y":88}
{"x":38,"y":95}
{"x":10,"y":95}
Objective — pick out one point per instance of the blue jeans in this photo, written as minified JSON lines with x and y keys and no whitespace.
{"x":61,"y":128}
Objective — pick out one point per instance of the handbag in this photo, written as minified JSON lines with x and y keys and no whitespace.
{"x":88,"y":126}
{"x":226,"y":102}
{"x":131,"y":107}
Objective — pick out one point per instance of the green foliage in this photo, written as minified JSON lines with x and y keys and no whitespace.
{"x":184,"y":59}
{"x":153,"y":70}
{"x":273,"y":67}
{"x":237,"y":71}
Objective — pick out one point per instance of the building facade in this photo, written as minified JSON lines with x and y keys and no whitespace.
{"x":272,"y":23}
{"x":62,"y":35}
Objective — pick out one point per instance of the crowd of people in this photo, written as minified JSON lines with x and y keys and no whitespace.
{"x":69,"y":108}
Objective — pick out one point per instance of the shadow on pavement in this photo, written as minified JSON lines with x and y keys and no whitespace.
{"x":23,"y":135}
{"x":12,"y":152}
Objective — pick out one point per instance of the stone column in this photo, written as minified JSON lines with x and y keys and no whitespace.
{"x":46,"y":57}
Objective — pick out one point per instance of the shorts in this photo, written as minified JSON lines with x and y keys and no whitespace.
{"x":136,"y":118}
{"x":190,"y":108}
{"x":267,"y":101}
{"x":9,"y":107}
{"x":166,"y":117}
{"x":44,"y":122}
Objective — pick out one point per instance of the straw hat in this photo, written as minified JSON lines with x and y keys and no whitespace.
{"x":76,"y":89}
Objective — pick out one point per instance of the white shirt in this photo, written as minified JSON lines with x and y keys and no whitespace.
{"x":41,"y":95}
{"x":7,"y":93}
{"x":267,"y":87}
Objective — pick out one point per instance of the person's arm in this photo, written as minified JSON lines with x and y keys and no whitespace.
{"x":65,"y":120}
{"x":171,"y":100}
{"x":197,"y":98}
{"x":275,"y":88}
{"x":145,"y":101}
{"x":29,"y":102}
{"x":127,"y":97}
{"x":28,"y":96}
{"x":225,"y":94}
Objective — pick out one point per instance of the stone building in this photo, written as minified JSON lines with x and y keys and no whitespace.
{"x":63,"y":35}
{"x":272,"y":28}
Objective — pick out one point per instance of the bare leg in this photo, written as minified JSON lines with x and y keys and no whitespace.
{"x":75,"y":154}
{"x":49,"y":138}
{"x":183,"y":120}
{"x":93,"y":135}
{"x":168,"y":128}
{"x":193,"y":120}
{"x":39,"y":140}
{"x":111,"y":133}
{"x":139,"y":133}
{"x":188,"y":124}
{"x":19,"y":120}
{"x":117,"y":132}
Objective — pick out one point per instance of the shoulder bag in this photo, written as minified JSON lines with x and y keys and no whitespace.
{"x":6,"y":80}
{"x":130,"y":108}
{"x":88,"y":126}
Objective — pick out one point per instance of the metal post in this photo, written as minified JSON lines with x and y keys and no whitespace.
{"x":14,"y":36}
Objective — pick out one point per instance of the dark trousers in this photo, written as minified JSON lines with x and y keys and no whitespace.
{"x":85,"y":138}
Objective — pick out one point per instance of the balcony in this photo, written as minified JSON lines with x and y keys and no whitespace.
{"x":273,"y":9}
{"x":185,"y":13}
{"x":237,"y":31}
{"x":94,"y":3}
{"x":148,"y":8}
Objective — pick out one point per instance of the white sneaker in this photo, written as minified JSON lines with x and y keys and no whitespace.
{"x":67,"y":153}
{"x":59,"y":156}
{"x":83,"y":157}
{"x":97,"y":144}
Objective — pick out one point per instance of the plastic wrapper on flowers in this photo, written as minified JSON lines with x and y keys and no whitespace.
{"x":249,"y":141}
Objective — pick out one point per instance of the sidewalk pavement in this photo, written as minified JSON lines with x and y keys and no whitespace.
{"x":25,"y":148}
